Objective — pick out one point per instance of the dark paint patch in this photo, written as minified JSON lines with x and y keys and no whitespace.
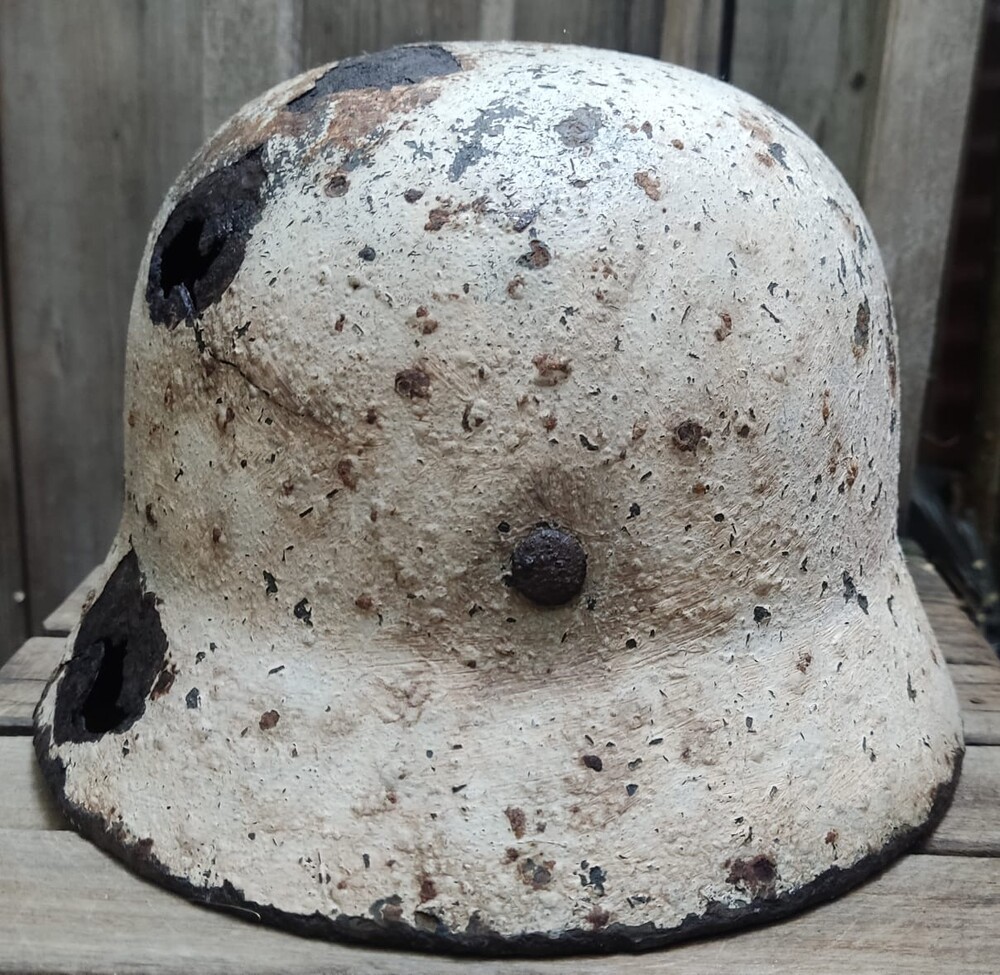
{"x":383,"y":70}
{"x":581,"y":126}
{"x":594,"y":877}
{"x":777,"y":151}
{"x":862,"y":328}
{"x":303,"y":612}
{"x":268,"y":720}
{"x":688,"y":435}
{"x":536,"y":875}
{"x":202,"y":245}
{"x":193,"y":698}
{"x":117,"y":655}
{"x":414,"y":383}
{"x":760,"y":614}
{"x":755,"y":875}
{"x":548,"y":566}
{"x":489,"y":123}
{"x":593,"y":762}
{"x":367,"y":253}
{"x":538,"y":257}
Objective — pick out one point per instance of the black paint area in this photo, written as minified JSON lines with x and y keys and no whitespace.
{"x":117,"y":655}
{"x":383,"y":70}
{"x":548,"y":566}
{"x":203,"y":243}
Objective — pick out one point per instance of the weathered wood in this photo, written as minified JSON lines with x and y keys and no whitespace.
{"x":909,"y":181}
{"x":68,"y":907}
{"x":25,"y":800}
{"x":635,"y":25}
{"x":817,"y":61}
{"x":35,"y":660}
{"x":17,"y":702}
{"x":972,"y":825}
{"x":66,"y":615}
{"x":13,"y":610}
{"x":691,"y":34}
{"x":333,"y":30}
{"x":979,"y":698}
{"x":961,"y":642}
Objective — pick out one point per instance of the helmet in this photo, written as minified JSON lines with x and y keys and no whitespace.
{"x":509,"y":559}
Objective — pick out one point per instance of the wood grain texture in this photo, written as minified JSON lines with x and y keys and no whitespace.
{"x":13,"y":609}
{"x":25,"y":800}
{"x":70,"y":908}
{"x":66,"y":615}
{"x":979,"y":698}
{"x":972,"y":824}
{"x":691,"y":33}
{"x":35,"y":660}
{"x":630,"y":25}
{"x":817,"y":62}
{"x":909,"y":180}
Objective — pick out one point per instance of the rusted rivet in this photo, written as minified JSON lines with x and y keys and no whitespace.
{"x":548,"y":566}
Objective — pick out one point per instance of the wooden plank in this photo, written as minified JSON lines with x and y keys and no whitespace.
{"x":815,"y":61}
{"x":634,"y":25}
{"x":68,"y":907}
{"x":979,"y":698}
{"x":36,"y":659}
{"x":13,"y":610}
{"x":972,"y":824}
{"x":961,"y":642}
{"x":909,"y":181}
{"x":691,"y":34}
{"x":67,"y":614}
{"x":25,"y":800}
{"x":930,"y":585}
{"x":17,"y":703}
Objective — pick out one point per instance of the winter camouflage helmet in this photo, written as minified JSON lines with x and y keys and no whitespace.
{"x":509,"y":559}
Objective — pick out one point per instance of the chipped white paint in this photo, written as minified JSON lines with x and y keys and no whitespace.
{"x":644,"y":307}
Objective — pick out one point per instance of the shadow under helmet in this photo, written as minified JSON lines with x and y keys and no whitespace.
{"x":508,"y":561}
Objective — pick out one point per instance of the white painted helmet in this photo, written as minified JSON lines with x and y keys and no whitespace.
{"x":509,"y":557}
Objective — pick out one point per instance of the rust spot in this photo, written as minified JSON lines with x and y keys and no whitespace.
{"x":536,"y":875}
{"x":514,"y":286}
{"x":688,"y":435}
{"x":826,"y":406}
{"x":764,"y":158}
{"x":338,"y":325}
{"x":832,"y":837}
{"x":852,"y":472}
{"x":163,"y":683}
{"x":648,"y":184}
{"x":437,"y":218}
{"x":537,"y":258}
{"x":725,"y":328}
{"x":414,"y":383}
{"x":549,"y":422}
{"x":755,"y":126}
{"x":428,"y":890}
{"x":411,"y":195}
{"x":598,"y":917}
{"x":755,"y":875}
{"x":364,"y":602}
{"x":699,"y":489}
{"x":551,"y":368}
{"x":517,"y":820}
{"x":511,"y":854}
{"x":677,"y":144}
{"x":805,"y":659}
{"x":268,"y":720}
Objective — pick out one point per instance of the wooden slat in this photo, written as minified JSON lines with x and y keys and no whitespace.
{"x":68,"y":907}
{"x":17,"y":702}
{"x":931,"y":587}
{"x":972,"y":825}
{"x":979,"y":697}
{"x":635,"y":26}
{"x":13,"y":615}
{"x":25,"y":800}
{"x":67,"y":614}
{"x":817,"y":62}
{"x":691,"y":34}
{"x":908,"y":186}
{"x":961,"y":642}
{"x":36,"y":659}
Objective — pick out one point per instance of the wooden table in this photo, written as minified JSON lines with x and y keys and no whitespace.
{"x":66,"y":907}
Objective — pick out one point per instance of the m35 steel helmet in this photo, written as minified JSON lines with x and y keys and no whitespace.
{"x":509,"y":558}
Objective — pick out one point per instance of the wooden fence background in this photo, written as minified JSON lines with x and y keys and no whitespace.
{"x":102,"y":102}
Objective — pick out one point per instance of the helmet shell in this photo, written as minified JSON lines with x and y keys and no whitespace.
{"x":509,"y":553}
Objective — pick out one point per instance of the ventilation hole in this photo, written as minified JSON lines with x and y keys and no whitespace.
{"x":101,"y":710}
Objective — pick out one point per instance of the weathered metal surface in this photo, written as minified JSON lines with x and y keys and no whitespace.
{"x":551,"y":286}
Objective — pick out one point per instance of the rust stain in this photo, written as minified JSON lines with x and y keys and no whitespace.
{"x":268,"y":720}
{"x":689,"y":434}
{"x":756,"y":875}
{"x":551,"y":368}
{"x":414,"y":383}
{"x":536,"y":875}
{"x":648,"y":184}
{"x":723,"y":330}
{"x":347,"y":474}
{"x":517,"y":819}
